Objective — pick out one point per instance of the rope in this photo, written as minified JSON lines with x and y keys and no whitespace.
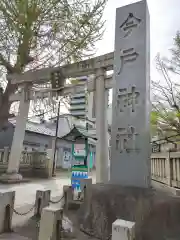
{"x":25,"y":213}
{"x":58,"y":201}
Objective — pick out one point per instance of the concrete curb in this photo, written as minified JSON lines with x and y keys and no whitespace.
{"x":163,"y":187}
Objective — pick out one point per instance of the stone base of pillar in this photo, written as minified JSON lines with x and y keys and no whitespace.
{"x":12,"y":178}
{"x":151,"y":209}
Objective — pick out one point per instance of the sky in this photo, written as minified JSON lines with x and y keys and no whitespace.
{"x":164,"y":22}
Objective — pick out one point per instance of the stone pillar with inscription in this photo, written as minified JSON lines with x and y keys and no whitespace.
{"x":130,"y":151}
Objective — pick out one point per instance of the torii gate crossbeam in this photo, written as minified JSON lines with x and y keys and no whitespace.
{"x":83,"y":68}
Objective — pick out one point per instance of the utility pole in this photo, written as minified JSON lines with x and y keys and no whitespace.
{"x":56,"y":136}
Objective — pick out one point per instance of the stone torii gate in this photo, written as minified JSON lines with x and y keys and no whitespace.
{"x":97,"y":67}
{"x":130,"y":128}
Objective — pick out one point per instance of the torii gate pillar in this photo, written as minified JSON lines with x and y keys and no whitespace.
{"x":12,"y":173}
{"x":102,"y":153}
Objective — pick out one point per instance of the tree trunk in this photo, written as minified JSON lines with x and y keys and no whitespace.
{"x":5,"y":105}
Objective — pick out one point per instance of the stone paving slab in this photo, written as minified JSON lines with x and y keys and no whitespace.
{"x":29,"y":229}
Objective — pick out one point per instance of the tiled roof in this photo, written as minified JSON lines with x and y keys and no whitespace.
{"x":89,"y":133}
{"x":75,"y":132}
{"x":36,"y":127}
{"x":43,"y":129}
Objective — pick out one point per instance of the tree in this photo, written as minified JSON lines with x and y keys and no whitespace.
{"x":154,"y":123}
{"x":41,"y":33}
{"x":166,"y":92}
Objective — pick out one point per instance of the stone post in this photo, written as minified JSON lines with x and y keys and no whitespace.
{"x":7,"y":199}
{"x":123,"y":230}
{"x":101,"y":128}
{"x":168,"y":170}
{"x":18,"y":138}
{"x":51,"y":224}
{"x":68,"y":196}
{"x":6,"y":154}
{"x":42,"y":200}
{"x":86,"y":187}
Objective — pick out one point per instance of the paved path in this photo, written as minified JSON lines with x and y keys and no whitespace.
{"x":25,"y":198}
{"x":26,"y":192}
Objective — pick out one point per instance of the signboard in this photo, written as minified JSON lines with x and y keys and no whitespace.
{"x":78,"y":173}
{"x":67,"y":157}
{"x":66,"y":154}
{"x":79,"y":150}
{"x":79,"y":169}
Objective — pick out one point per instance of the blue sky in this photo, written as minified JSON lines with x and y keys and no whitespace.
{"x":164,"y":20}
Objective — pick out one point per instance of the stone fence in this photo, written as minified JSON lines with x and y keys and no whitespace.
{"x":165,"y":168}
{"x":32,"y":164}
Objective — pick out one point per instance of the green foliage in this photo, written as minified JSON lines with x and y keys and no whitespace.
{"x":166,"y":99}
{"x":38,"y":33}
{"x":42,"y":33}
{"x":154,"y":117}
{"x":154,"y":122}
{"x":177,"y":40}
